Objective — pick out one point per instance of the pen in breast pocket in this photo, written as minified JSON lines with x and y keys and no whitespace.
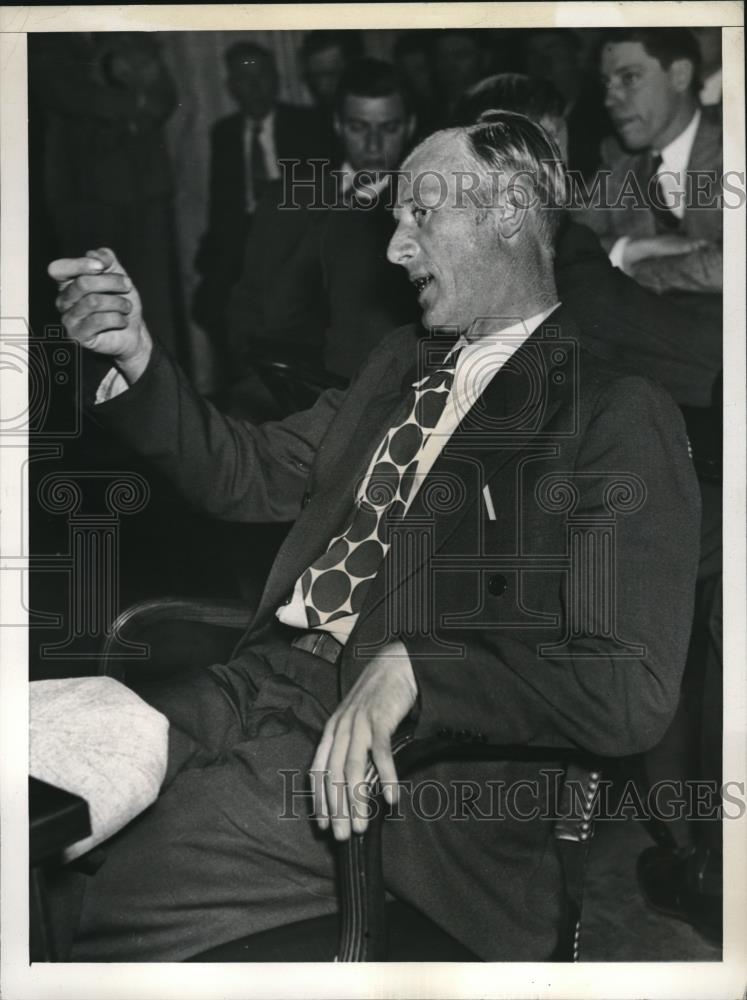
{"x":488,"y":502}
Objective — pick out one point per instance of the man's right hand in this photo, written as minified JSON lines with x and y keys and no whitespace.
{"x":101,"y":310}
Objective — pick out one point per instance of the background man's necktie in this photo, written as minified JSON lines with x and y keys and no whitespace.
{"x":336,"y":584}
{"x":666,"y":220}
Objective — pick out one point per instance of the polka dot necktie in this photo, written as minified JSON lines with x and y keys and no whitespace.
{"x":335,"y":586}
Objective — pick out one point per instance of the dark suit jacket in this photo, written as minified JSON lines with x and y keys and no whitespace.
{"x":299,"y":135}
{"x":634,"y":327}
{"x":700,"y":271}
{"x":504,"y":646}
{"x":316,"y":282}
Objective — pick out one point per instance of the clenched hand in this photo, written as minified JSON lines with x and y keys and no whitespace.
{"x":101,"y":310}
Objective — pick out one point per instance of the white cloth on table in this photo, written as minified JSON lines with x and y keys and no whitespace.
{"x":94,"y":737}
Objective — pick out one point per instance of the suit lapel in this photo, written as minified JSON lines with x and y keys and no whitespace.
{"x":341,"y":463}
{"x":706,"y":152}
{"x":517,"y":404}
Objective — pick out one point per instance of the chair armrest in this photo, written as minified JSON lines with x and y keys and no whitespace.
{"x":362,"y":891}
{"x":225,"y":613}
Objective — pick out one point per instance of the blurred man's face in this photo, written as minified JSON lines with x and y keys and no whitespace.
{"x":547,"y":56}
{"x":323,"y":72}
{"x":373,"y":131}
{"x":458,"y":64}
{"x":450,"y":248}
{"x":644,"y":100}
{"x":253,"y":82}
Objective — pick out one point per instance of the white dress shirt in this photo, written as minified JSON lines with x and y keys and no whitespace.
{"x":711,"y":93}
{"x":672,"y":174}
{"x":478,"y":363}
{"x":267,"y":144}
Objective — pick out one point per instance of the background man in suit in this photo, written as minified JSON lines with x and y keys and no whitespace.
{"x":316,"y":286}
{"x":245,"y":153}
{"x":335,"y":661}
{"x":666,"y":176}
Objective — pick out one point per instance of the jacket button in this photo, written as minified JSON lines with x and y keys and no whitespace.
{"x":305,"y":499}
{"x":497,"y":584}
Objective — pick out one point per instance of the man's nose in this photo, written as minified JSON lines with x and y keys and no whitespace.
{"x":373,"y":141}
{"x":402,"y":247}
{"x":613,"y":94}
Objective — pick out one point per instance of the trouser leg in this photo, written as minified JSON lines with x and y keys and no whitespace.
{"x":229,"y":848}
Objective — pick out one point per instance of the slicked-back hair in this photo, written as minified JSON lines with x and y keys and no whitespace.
{"x":518,"y":92}
{"x":507,"y":143}
{"x":663,"y":44}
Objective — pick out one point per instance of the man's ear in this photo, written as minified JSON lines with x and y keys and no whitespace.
{"x":681,"y":74}
{"x":514,"y":205}
{"x":337,"y":124}
{"x":411,"y":123}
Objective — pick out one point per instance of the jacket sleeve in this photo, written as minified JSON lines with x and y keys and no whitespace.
{"x":699,"y":271}
{"x":629,"y":324}
{"x":509,"y":689}
{"x":224,"y":467}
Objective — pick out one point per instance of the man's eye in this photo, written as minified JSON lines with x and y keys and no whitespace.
{"x":419,"y":213}
{"x":629,"y":79}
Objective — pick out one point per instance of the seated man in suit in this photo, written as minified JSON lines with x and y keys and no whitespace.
{"x":658,"y":210}
{"x":316,"y":286}
{"x":428,"y":581}
{"x":246,"y":148}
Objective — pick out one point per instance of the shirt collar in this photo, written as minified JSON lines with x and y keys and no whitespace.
{"x":266,"y":124}
{"x":509,"y":338}
{"x":675,"y":156}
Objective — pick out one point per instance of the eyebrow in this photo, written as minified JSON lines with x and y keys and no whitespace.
{"x":624,"y":69}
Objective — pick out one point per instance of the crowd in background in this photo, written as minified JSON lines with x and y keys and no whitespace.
{"x":122,"y":153}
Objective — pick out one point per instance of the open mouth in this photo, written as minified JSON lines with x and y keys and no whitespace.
{"x":421,"y":282}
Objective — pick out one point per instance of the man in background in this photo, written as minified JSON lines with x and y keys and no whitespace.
{"x":555,"y":54}
{"x":324,"y":56}
{"x":658,"y":212}
{"x":316,"y":286}
{"x":246,"y":148}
